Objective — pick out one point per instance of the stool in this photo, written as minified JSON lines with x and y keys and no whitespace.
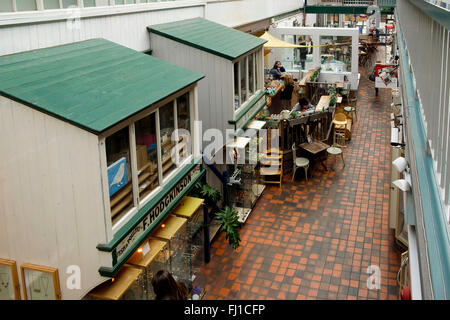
{"x":351,"y":108}
{"x":335,"y":151}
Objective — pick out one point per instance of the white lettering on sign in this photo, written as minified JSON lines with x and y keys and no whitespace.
{"x":154,"y":213}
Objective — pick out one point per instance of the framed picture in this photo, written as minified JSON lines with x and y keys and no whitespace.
{"x":40,"y":283}
{"x":9,"y":280}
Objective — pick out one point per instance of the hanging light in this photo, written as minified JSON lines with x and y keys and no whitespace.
{"x":402,"y":184}
{"x":400,"y":164}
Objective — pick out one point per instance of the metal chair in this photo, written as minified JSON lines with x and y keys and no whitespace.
{"x":299,"y":163}
{"x":351,"y":108}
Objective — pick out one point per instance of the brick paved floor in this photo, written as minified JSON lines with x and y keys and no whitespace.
{"x":316,"y":240}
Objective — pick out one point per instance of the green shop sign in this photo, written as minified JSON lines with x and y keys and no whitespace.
{"x":122,"y":247}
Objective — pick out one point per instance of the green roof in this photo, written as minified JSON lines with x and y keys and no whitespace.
{"x":92,"y":84}
{"x":209,"y":36}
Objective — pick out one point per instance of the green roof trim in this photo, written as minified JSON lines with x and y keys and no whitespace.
{"x":250,"y":104}
{"x":209,"y":36}
{"x":92,"y":84}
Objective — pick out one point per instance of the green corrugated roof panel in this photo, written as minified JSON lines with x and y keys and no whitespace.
{"x":209,"y":36}
{"x":93,"y":84}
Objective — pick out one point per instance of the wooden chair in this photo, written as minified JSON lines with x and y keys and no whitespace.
{"x":341,"y":122}
{"x":271,"y":169}
{"x":299,"y":163}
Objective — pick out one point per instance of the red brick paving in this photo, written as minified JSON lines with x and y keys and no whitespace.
{"x":316,"y":240}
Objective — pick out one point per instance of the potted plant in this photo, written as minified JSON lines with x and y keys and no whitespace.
{"x":229,"y":223}
{"x":226,"y":218}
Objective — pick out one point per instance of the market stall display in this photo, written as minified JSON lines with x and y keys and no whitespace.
{"x":151,"y":257}
{"x":128,"y":284}
{"x":173,"y":230}
{"x":191,"y":209}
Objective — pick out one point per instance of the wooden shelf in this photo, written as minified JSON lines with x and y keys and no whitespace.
{"x":270,"y":171}
{"x":172,"y":225}
{"x":141,"y":260}
{"x":274,"y":159}
{"x":122,"y":204}
{"x":213,"y":230}
{"x":122,"y":193}
{"x":187,"y":207}
{"x":114,"y":290}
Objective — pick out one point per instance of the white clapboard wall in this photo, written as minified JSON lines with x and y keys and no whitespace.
{"x":51,"y":207}
{"x":215,"y":91}
{"x":129,"y":29}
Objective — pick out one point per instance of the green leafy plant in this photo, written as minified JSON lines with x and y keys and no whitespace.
{"x":229,"y":223}
{"x":205,"y":191}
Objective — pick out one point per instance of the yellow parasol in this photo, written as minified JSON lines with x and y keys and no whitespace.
{"x":273,"y":42}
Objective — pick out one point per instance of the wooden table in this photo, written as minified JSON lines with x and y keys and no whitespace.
{"x":323,"y":103}
{"x":339,"y":85}
{"x":316,"y":149}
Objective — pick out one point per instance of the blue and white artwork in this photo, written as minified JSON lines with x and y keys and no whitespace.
{"x":117,"y":175}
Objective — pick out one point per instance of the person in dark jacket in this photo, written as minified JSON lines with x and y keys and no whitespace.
{"x":167,"y":288}
{"x":277,"y":70}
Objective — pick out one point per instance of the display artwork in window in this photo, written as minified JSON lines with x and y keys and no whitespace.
{"x":41,"y":283}
{"x":7,"y":283}
{"x":117,"y":175}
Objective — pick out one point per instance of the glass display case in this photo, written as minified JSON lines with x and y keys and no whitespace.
{"x":173,"y":230}
{"x":192,"y":209}
{"x":151,"y":257}
{"x":244,"y":182}
{"x":128,"y":284}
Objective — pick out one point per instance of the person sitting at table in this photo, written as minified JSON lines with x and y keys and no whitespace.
{"x":286,"y":93}
{"x":277,"y":70}
{"x":303,"y":105}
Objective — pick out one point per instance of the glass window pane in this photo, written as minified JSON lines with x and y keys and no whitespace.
{"x":258,"y":65}
{"x":119,"y":1}
{"x":236,"y":86}
{"x":119,"y":173}
{"x":101,"y":3}
{"x":51,"y":4}
{"x":251,"y":73}
{"x":68,"y":3}
{"x":287,"y":58}
{"x":129,"y":1}
{"x":146,"y":155}
{"x":304,"y":56}
{"x":26,"y":5}
{"x":336,"y":54}
{"x":89,"y":3}
{"x":167,"y":127}
{"x":6,"y":6}
{"x":242,"y":64}
{"x":184,"y":126}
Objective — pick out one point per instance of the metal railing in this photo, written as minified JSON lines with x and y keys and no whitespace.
{"x":350,"y":3}
{"x":340,"y":2}
{"x":386,"y":3}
